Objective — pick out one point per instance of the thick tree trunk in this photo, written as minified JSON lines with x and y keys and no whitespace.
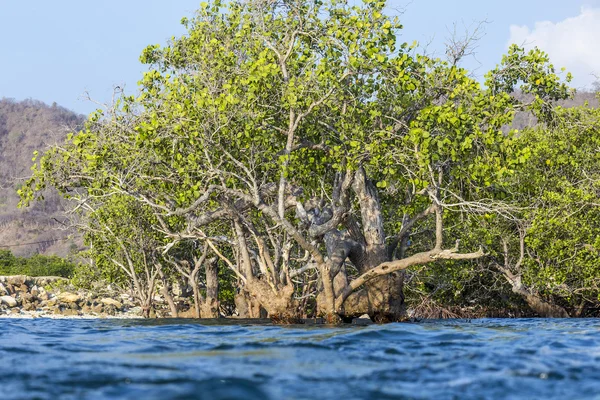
{"x":381,"y":298}
{"x":279,"y":303}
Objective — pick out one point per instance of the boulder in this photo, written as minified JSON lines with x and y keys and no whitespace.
{"x":52,"y":301}
{"x":3,"y":290}
{"x":42,"y":295}
{"x":67,"y":297}
{"x":111,"y":302}
{"x":16,"y":280}
{"x":9,"y":301}
{"x":10,"y":288}
{"x":97,"y":308}
{"x":28,"y":298}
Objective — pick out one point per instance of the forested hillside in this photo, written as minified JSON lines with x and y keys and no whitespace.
{"x":28,"y":126}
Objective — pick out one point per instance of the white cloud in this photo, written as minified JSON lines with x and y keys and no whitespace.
{"x":573,"y":43}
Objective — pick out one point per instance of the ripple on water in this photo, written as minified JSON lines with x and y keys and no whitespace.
{"x":512,"y":359}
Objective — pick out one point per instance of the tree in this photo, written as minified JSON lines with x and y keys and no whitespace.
{"x":558,"y":189}
{"x":294,"y":136}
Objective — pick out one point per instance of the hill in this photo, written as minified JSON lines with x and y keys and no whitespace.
{"x":26,"y":126}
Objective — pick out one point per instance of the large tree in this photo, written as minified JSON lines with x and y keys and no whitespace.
{"x":294,"y":137}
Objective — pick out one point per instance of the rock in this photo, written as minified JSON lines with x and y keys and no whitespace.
{"x":67,"y":297}
{"x":10,"y":288}
{"x":9,"y":301}
{"x":112,"y":302}
{"x":110,"y":310}
{"x":28,"y":298}
{"x":43,"y":295}
{"x":52,"y":301}
{"x":3,"y":290}
{"x":137,"y":310}
{"x":67,"y":312}
{"x":98,"y":308}
{"x":16,"y":280}
{"x":29,"y":307}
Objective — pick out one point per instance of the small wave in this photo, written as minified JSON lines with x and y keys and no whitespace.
{"x":517,"y":359}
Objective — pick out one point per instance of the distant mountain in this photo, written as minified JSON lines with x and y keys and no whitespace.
{"x":26,"y":126}
{"x":524,"y":119}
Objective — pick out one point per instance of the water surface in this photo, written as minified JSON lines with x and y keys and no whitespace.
{"x":177,"y":359}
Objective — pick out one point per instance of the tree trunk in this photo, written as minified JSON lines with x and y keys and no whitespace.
{"x":539,"y":305}
{"x":533,"y":299}
{"x":381,"y":298}
{"x":210,"y":307}
{"x":241,"y":305}
{"x":166,"y":292}
{"x":197,"y":299}
{"x":167,"y":295}
{"x":247,"y":307}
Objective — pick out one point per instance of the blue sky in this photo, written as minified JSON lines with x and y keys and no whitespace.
{"x":55,"y":51}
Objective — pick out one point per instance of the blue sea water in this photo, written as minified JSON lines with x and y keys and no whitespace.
{"x":179,"y":359}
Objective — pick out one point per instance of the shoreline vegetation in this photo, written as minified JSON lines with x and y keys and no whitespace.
{"x":24,"y":296}
{"x":295,"y":160}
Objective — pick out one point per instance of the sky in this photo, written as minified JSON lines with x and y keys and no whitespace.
{"x":64,"y":50}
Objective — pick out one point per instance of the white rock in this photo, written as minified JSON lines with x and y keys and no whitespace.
{"x":8,"y":300}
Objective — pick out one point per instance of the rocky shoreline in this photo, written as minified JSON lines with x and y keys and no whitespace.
{"x":53,"y":297}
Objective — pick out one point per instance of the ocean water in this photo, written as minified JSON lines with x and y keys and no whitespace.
{"x":177,"y":359}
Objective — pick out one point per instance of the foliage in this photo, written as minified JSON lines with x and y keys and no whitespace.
{"x":37,"y":265}
{"x":562,"y":185}
{"x":292,"y":136}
